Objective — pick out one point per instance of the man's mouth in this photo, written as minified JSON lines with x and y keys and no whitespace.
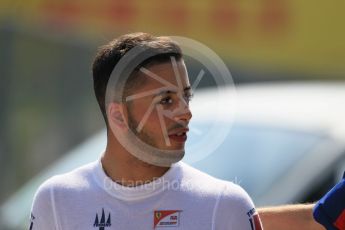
{"x":179,"y":135}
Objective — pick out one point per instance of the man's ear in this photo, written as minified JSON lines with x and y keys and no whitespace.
{"x":117,"y":116}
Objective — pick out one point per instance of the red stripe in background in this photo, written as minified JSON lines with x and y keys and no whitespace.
{"x":340,"y":222}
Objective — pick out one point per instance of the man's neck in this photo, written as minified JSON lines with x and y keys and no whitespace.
{"x":125,"y":169}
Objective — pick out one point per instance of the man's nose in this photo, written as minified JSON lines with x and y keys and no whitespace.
{"x":184,"y":113}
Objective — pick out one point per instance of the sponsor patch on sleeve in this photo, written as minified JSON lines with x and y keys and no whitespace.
{"x":254,"y":219}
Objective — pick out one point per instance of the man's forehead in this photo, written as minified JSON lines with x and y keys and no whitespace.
{"x":166,"y":74}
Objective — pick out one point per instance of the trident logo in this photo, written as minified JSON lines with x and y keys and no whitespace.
{"x":102,"y":223}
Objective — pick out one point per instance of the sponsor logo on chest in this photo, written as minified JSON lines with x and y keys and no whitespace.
{"x":166,"y":218}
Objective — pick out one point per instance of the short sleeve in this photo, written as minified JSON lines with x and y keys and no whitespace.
{"x":235,"y":210}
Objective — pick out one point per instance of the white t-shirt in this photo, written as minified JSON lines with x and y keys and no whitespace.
{"x":183,"y":198}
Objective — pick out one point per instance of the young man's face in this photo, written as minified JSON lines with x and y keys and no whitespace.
{"x":160,"y":119}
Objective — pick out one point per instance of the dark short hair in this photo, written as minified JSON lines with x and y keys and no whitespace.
{"x":110,"y":54}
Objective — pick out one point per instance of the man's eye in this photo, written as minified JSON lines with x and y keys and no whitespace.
{"x":188,"y":97}
{"x":166,"y":101}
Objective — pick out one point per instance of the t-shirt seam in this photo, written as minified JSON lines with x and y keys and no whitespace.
{"x":53,"y":206}
{"x":215,"y":209}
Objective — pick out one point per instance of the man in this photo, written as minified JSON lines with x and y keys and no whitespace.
{"x":139,"y":182}
{"x":330,"y":210}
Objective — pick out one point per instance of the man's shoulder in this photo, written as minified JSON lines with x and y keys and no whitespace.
{"x":233,"y":207}
{"x":197,"y":180}
{"x":76,"y":179}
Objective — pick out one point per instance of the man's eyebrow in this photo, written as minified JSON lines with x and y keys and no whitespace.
{"x":188,"y":88}
{"x":168,"y":91}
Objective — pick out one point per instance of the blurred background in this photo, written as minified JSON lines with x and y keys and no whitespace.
{"x":47,"y":47}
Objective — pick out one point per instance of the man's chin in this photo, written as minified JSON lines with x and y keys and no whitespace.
{"x":163,"y":157}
